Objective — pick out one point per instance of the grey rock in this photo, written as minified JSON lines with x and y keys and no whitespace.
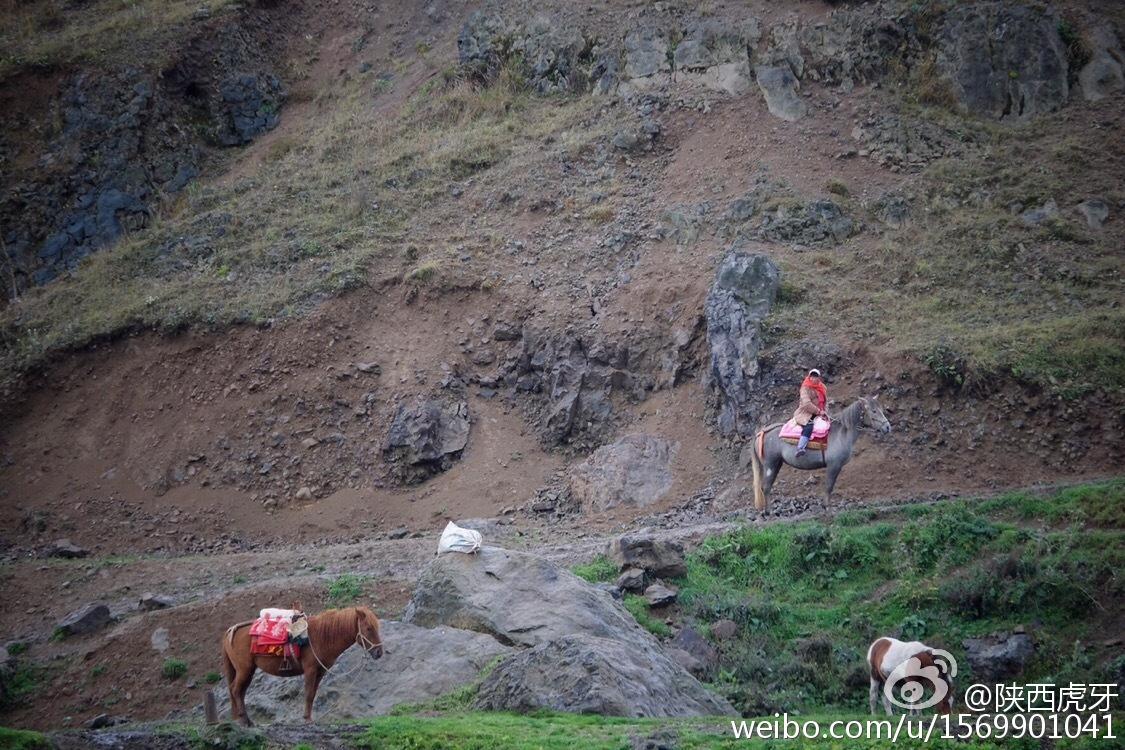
{"x":686,"y":222}
{"x":251,"y":106}
{"x":1095,"y":211}
{"x":691,"y":665}
{"x":160,"y":640}
{"x":634,"y":471}
{"x":998,"y":658}
{"x":692,"y":642}
{"x":659,"y":595}
{"x":426,"y":437}
{"x":68,"y":549}
{"x":1102,"y":76}
{"x":646,"y":53}
{"x":552,"y":52}
{"x":586,"y":673}
{"x":658,"y":557}
{"x":744,"y":291}
{"x":814,"y":223}
{"x":420,"y":664}
{"x":150,"y":602}
{"x":1033,"y":217}
{"x":516,"y":597}
{"x":692,"y":54}
{"x":893,"y":209}
{"x":631,"y":579}
{"x":88,"y":619}
{"x":1003,"y":61}
{"x":779,"y":86}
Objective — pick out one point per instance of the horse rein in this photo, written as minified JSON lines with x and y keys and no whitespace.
{"x":366,"y":643}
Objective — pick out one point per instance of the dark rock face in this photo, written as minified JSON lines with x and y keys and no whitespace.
{"x":692,"y":641}
{"x":998,"y":658}
{"x":1004,"y":61}
{"x":425,"y":438}
{"x":744,"y":290}
{"x":122,"y":142}
{"x":568,"y":383}
{"x":584,"y":673}
{"x":250,"y":106}
{"x":90,"y":618}
{"x":555,"y":57}
{"x":814,"y":223}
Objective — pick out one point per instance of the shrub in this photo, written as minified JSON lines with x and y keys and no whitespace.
{"x":638,"y":608}
{"x":600,"y":569}
{"x":345,"y":590}
{"x":174,"y":669}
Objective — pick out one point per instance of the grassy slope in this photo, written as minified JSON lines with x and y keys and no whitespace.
{"x":810,"y":597}
{"x":57,"y":33}
{"x":310,"y":223}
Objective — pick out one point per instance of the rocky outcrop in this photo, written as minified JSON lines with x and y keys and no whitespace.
{"x":516,"y":597}
{"x":420,"y":664}
{"x":124,"y":138}
{"x":1103,"y":75}
{"x":1003,"y":61}
{"x":634,"y":471}
{"x":742,"y":295}
{"x":585,"y":673}
{"x":816,"y":222}
{"x":426,"y":437}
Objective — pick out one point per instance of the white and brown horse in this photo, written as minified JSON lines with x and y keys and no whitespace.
{"x":910,"y":667}
{"x":330,"y":633}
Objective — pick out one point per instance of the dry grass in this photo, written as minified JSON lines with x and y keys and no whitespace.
{"x":325,"y":209}
{"x":1042,"y":304}
{"x":50,"y":33}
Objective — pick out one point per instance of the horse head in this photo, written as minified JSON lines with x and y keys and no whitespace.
{"x":873,"y":415}
{"x":367,"y":632}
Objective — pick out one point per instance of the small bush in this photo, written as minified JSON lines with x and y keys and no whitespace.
{"x":212,"y":677}
{"x":174,"y":669}
{"x":345,"y":590}
{"x":947,"y":365}
{"x":837,"y":187}
{"x":423,"y":273}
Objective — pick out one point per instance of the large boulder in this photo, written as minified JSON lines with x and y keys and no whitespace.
{"x":659,"y":558}
{"x":817,"y":222}
{"x":516,"y":597}
{"x":425,"y":438}
{"x":420,"y":664}
{"x":742,"y":295}
{"x":997,"y":658}
{"x":646,"y":53}
{"x":1002,"y":60}
{"x":634,"y":471}
{"x":779,"y":87}
{"x":585,"y":673}
{"x":88,"y":619}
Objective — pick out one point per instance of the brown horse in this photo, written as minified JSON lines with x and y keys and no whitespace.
{"x":331,"y":633}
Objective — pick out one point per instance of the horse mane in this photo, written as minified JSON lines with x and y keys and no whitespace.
{"x":852,"y":414}
{"x":335,"y":625}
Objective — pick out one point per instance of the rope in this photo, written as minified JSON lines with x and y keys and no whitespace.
{"x":364,"y":643}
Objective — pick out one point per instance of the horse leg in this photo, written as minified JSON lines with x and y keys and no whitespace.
{"x":873,"y":695}
{"x":887,"y":705}
{"x":238,"y":694}
{"x":772,"y":467}
{"x":312,"y":683}
{"x":833,"y":472}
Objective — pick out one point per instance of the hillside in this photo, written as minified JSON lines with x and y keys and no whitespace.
{"x":289,"y":285}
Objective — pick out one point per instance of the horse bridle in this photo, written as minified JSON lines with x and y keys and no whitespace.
{"x":366,"y":643}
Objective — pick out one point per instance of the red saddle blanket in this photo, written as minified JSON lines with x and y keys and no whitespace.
{"x":270,"y":630}
{"x":286,"y":650}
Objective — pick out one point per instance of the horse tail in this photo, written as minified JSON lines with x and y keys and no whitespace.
{"x":227,"y":666}
{"x":756,"y":464}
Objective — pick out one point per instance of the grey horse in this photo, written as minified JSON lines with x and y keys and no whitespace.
{"x":768,"y":451}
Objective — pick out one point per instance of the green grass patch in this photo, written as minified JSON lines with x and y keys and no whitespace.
{"x":21,"y":739}
{"x":599,"y":570}
{"x":639,"y":609}
{"x":345,"y":590}
{"x":808,"y":598}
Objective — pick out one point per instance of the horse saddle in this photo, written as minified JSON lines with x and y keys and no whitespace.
{"x":279,"y":632}
{"x":791,"y":433}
